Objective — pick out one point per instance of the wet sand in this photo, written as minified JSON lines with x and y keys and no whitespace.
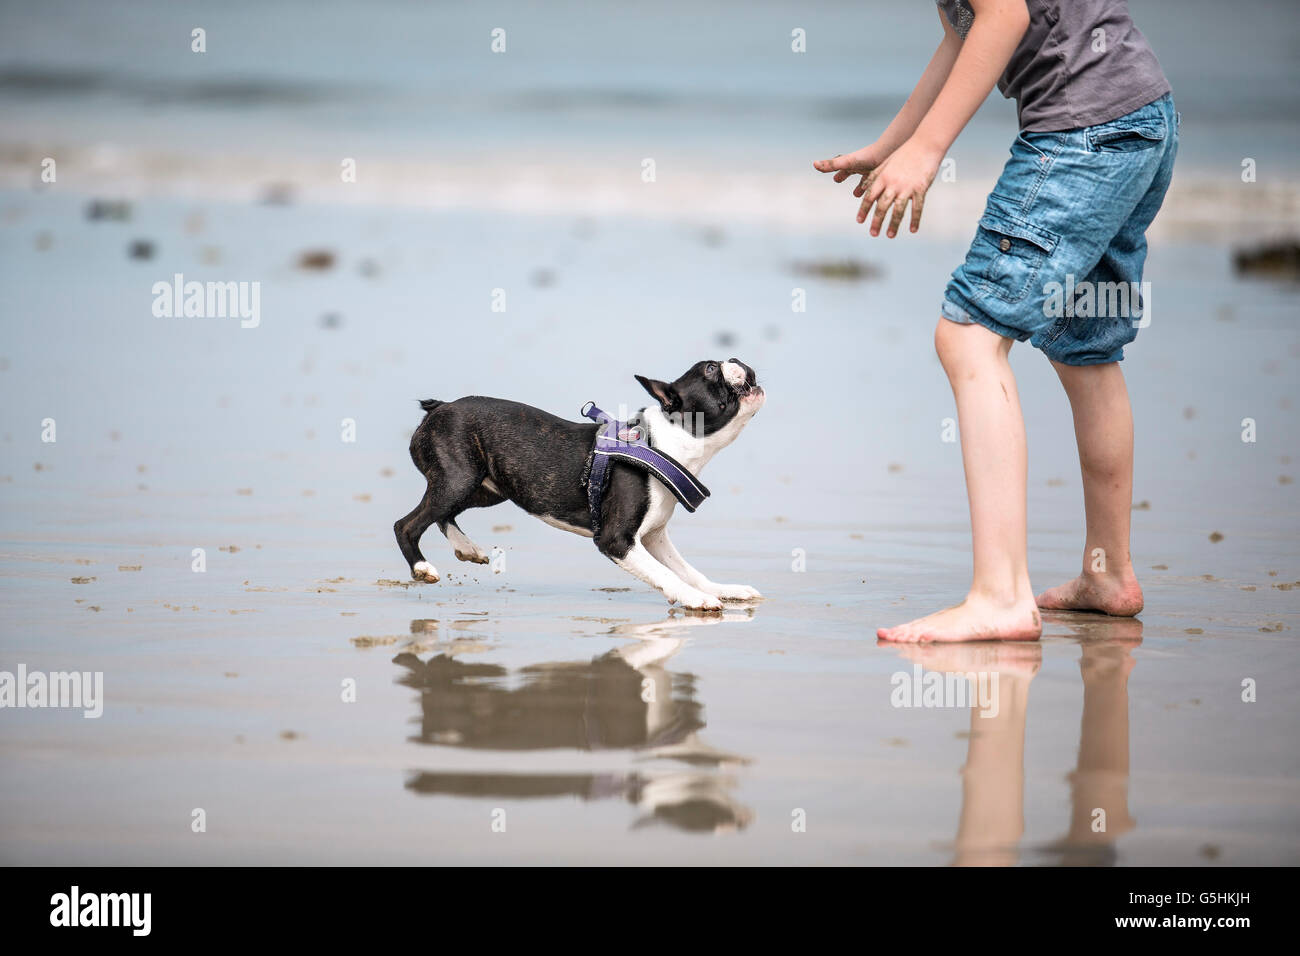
{"x":552,"y":687}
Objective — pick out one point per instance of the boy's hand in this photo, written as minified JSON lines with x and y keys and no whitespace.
{"x":861,"y":162}
{"x":902,"y":178}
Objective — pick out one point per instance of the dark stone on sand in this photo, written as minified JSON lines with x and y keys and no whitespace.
{"x":316,"y":260}
{"x":1279,"y":259}
{"x":849,"y":270}
{"x":141,"y":249}
{"x":108,"y":210}
{"x":277,"y":194}
{"x":1216,"y":537}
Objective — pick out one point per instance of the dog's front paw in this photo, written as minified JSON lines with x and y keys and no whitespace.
{"x":737,"y":592}
{"x":424,"y":571}
{"x":694,"y":600}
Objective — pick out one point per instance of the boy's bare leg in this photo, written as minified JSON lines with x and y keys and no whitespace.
{"x":1103,"y":426}
{"x":1000,"y":604}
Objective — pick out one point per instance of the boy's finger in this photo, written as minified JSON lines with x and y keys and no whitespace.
{"x":882,"y":207}
{"x":830,"y":165}
{"x":874,"y":187}
{"x":865,"y":208}
{"x":842,"y":175}
{"x":918,"y":201}
{"x":861,"y":187}
{"x":896,"y":219}
{"x":867,"y":198}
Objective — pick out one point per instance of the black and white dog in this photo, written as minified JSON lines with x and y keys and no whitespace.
{"x":477,"y":452}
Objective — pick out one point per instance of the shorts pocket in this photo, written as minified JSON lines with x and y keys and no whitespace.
{"x":1011,"y":254}
{"x":1123,"y":136}
{"x":1043,"y":146}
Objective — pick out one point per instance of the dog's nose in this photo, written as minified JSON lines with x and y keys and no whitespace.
{"x":750,"y":377}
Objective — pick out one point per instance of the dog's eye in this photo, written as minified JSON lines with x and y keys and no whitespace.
{"x":710,"y":368}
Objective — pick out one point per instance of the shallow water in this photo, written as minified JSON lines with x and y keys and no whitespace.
{"x":548,"y":708}
{"x":552,"y":687}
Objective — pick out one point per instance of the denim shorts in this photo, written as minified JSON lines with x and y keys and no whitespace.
{"x":1057,"y":258}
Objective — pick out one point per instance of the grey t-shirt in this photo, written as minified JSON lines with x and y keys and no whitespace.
{"x":1080,"y":63}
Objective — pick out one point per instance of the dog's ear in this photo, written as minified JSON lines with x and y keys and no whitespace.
{"x":661,"y":392}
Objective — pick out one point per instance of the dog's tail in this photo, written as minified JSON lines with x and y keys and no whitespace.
{"x":422,"y":437}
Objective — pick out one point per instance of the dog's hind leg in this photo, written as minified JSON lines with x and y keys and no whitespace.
{"x":410,"y":529}
{"x":446,"y":496}
{"x":467,"y":550}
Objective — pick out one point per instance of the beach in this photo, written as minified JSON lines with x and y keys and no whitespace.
{"x":211,"y":526}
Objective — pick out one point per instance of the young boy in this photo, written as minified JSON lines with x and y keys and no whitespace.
{"x":1086,"y":176}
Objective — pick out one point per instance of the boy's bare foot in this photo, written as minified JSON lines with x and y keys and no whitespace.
{"x":1118,"y":594}
{"x":974,"y":619}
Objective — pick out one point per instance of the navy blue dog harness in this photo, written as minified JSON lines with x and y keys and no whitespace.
{"x":619,"y":441}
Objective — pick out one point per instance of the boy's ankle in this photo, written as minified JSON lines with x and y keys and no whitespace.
{"x":1003,"y":596}
{"x":1098,"y":565}
{"x":1122,"y":572}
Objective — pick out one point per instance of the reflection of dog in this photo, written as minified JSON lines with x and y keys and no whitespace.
{"x":697,"y":802}
{"x":597,"y":705}
{"x":477,"y":452}
{"x":625,"y":699}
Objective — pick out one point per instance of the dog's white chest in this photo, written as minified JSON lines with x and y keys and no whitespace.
{"x":662,"y":505}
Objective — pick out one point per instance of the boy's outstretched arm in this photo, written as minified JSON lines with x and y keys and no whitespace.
{"x":863,"y":161}
{"x":907,"y":174}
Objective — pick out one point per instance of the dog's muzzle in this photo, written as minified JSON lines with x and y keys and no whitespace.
{"x":741,"y":378}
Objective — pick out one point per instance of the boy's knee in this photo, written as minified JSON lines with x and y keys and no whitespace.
{"x":961,"y":346}
{"x":948,"y":344}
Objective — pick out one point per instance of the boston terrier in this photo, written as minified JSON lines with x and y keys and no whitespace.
{"x":477,"y":452}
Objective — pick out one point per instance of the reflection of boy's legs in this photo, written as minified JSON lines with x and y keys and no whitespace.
{"x":1099,"y":785}
{"x":993,"y":780}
